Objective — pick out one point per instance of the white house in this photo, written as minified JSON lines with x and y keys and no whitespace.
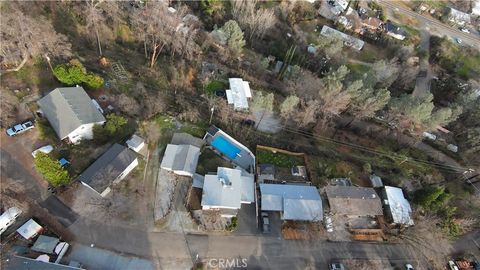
{"x":458,"y":17}
{"x":348,"y":40}
{"x":295,"y":202}
{"x":395,"y":31}
{"x":113,"y":166}
{"x":227,"y":190}
{"x":476,"y":8}
{"x":181,"y":159}
{"x":71,"y":113}
{"x":239,"y":93}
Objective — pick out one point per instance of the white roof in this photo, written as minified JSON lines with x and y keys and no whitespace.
{"x":238,"y":93}
{"x":348,"y":40}
{"x":181,"y":158}
{"x":399,"y":206}
{"x":297,"y":202}
{"x":29,"y":229}
{"x":229,"y":188}
{"x":9,"y":215}
{"x":135,"y":142}
{"x":476,"y":7}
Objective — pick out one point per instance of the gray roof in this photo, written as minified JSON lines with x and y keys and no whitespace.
{"x":400,"y":208}
{"x":297,"y":202}
{"x":68,"y":108}
{"x":185,"y":138}
{"x":23,"y":263}
{"x":108,"y":167}
{"x":45,"y":244}
{"x":182,"y":158}
{"x":376,"y":181}
{"x":229,"y":188}
{"x":354,"y":201}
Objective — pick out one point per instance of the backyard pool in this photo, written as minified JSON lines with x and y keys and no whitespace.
{"x":225,"y":147}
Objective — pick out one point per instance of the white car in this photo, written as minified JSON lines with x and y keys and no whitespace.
{"x":409,"y":267}
{"x":465,"y":30}
{"x":47,"y":149}
{"x":8,"y":217}
{"x":459,"y":40}
{"x":20,"y":128}
{"x":452,"y":265}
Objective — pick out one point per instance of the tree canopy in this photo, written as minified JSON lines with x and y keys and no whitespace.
{"x":231,"y":35}
{"x":51,"y":170}
{"x":74,"y":73}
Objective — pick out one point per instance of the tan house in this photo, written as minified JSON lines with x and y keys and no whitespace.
{"x":354,"y":201}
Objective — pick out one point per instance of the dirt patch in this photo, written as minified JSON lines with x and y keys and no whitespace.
{"x":194,"y":199}
{"x":302,"y":231}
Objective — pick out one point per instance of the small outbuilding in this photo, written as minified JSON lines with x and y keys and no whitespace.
{"x":30,"y":229}
{"x":136,"y":143}
{"x":45,"y":244}
{"x":239,"y":93}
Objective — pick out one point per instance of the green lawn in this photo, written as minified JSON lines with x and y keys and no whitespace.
{"x":278,"y":159}
{"x":214,"y":85}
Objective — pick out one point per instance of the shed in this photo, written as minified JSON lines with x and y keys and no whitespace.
{"x":376,"y":181}
{"x":136,"y":143}
{"x":30,"y":229}
{"x":45,"y":244}
{"x":181,"y":159}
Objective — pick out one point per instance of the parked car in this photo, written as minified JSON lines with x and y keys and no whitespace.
{"x":248,"y":122}
{"x":465,"y":30}
{"x":452,"y":265}
{"x":336,"y":266}
{"x":47,"y":149}
{"x":459,"y":40}
{"x":265,"y":222}
{"x":20,"y":128}
{"x":8,"y":218}
{"x":409,"y":267}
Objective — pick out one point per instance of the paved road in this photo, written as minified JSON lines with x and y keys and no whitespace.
{"x":433,"y":25}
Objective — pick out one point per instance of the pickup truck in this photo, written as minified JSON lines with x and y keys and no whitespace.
{"x":20,"y":128}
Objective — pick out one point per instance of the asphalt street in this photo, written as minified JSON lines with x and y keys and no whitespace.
{"x":433,"y":25}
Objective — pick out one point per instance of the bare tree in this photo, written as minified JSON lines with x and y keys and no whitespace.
{"x":288,"y":106}
{"x":155,"y":25}
{"x":8,"y":103}
{"x":23,"y":37}
{"x":309,"y":112}
{"x":128,"y":105}
{"x":256,"y":21}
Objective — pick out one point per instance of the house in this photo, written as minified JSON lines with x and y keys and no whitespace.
{"x":181,"y":159}
{"x":457,"y":17}
{"x":337,"y":6}
{"x":227,"y":190}
{"x":16,"y":262}
{"x":476,"y":7}
{"x":398,"y":209}
{"x":8,"y":218}
{"x":294,"y":202}
{"x":135,"y":143}
{"x":113,"y":166}
{"x":30,"y":229}
{"x":71,"y":113}
{"x":230,"y":149}
{"x":394,"y":31}
{"x":347,"y":40}
{"x":238,"y":94}
{"x":354,"y":201}
{"x":372,"y":23}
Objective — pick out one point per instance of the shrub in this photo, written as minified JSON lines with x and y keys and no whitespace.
{"x":74,"y":73}
{"x":116,"y":127}
{"x":51,"y":170}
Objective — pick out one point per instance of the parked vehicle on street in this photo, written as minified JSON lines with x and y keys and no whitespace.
{"x":336,"y":266}
{"x":8,"y":218}
{"x":409,"y":267}
{"x":452,"y":265}
{"x":47,"y":149}
{"x":465,"y":30}
{"x":20,"y":128}
{"x":459,"y":40}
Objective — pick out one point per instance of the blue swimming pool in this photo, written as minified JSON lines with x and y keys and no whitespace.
{"x":225,"y":147}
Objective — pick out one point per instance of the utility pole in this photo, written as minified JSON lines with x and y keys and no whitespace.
{"x":211,"y":115}
{"x":48,"y":61}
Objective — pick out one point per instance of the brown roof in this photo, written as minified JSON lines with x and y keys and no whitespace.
{"x":372,"y":22}
{"x":354,"y":201}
